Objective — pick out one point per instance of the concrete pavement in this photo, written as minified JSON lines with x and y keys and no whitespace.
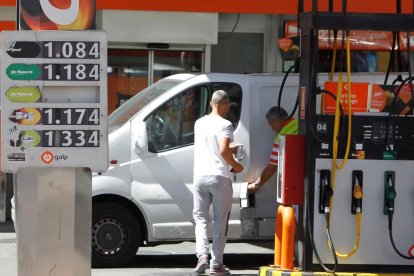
{"x":168,"y":259}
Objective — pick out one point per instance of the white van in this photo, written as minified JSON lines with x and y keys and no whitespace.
{"x":145,"y":197}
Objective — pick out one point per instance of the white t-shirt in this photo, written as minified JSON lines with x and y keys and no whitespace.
{"x":208,"y":131}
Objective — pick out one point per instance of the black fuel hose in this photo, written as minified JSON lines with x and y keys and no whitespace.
{"x":328,"y":233}
{"x":281,"y":90}
{"x":390,"y":219}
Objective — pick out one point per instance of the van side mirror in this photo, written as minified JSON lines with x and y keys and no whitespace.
{"x":140,"y":137}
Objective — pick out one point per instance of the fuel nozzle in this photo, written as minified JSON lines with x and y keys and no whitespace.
{"x":326,"y":191}
{"x":389,"y":193}
{"x":357,"y":192}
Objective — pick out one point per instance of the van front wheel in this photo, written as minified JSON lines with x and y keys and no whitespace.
{"x":116,"y":235}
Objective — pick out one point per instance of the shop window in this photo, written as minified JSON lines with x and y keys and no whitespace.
{"x":129,"y":73}
{"x":167,"y":63}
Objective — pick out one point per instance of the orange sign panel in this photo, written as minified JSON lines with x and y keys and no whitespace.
{"x":383,"y":99}
{"x":359,"y":39}
{"x":7,"y":25}
{"x":359,"y":97}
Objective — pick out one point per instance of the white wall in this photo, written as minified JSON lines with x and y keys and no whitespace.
{"x":8,"y":13}
{"x":161,"y":27}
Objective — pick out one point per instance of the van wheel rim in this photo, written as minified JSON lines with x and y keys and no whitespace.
{"x":109,"y":236}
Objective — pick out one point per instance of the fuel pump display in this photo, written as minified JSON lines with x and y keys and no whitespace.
{"x":374,"y":136}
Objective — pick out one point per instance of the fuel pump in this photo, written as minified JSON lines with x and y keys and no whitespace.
{"x":347,"y":158}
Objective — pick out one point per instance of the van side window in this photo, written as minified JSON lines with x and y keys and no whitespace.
{"x":172,"y":124}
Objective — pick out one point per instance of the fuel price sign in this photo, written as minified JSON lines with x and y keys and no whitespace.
{"x":54,"y":99}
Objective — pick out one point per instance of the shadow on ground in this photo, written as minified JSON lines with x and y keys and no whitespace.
{"x":233,"y":261}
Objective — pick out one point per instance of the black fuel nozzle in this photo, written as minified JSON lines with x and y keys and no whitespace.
{"x":390,"y":193}
{"x":327,"y":193}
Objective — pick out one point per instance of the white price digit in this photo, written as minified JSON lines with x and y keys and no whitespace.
{"x":67,"y":49}
{"x":94,"y":138}
{"x":67,"y":137}
{"x":81,"y":112}
{"x":68,"y":69}
{"x":80,"y":50}
{"x":68,"y":113}
{"x":94,"y":51}
{"x":49,"y":137}
{"x":80,"y":136}
{"x":80,"y":72}
{"x":49,"y":69}
{"x":94,"y":74}
{"x":49,"y":113}
{"x":94,"y":117}
{"x":49,"y":47}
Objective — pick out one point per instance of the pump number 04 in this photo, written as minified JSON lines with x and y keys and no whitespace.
{"x":321,"y":127}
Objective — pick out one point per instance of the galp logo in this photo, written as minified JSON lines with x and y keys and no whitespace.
{"x":57,"y":14}
{"x":47,"y":157}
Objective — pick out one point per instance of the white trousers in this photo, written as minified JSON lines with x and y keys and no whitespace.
{"x":218,"y":192}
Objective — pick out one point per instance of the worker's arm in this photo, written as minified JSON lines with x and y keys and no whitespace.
{"x":264,"y":177}
{"x":227,"y":154}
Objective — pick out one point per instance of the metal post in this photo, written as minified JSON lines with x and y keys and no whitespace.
{"x":54,"y":221}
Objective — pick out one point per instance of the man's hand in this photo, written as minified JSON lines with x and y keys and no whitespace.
{"x":237,"y":168}
{"x":226,"y":153}
{"x":253,"y":187}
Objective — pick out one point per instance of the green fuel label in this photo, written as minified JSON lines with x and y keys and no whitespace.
{"x":21,"y":71}
{"x":25,"y":94}
{"x":389,"y":155}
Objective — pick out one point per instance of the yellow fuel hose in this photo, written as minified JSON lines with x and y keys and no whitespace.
{"x":331,"y":74}
{"x":333,"y":63}
{"x":337,"y":112}
{"x":357,"y":238}
{"x":357,"y":194}
{"x":335,"y":164}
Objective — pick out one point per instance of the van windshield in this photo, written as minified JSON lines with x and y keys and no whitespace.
{"x":123,"y":113}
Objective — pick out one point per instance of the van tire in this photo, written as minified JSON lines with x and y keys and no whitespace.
{"x":116,"y":235}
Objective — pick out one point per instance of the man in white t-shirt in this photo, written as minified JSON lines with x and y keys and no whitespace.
{"x":213,"y":155}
